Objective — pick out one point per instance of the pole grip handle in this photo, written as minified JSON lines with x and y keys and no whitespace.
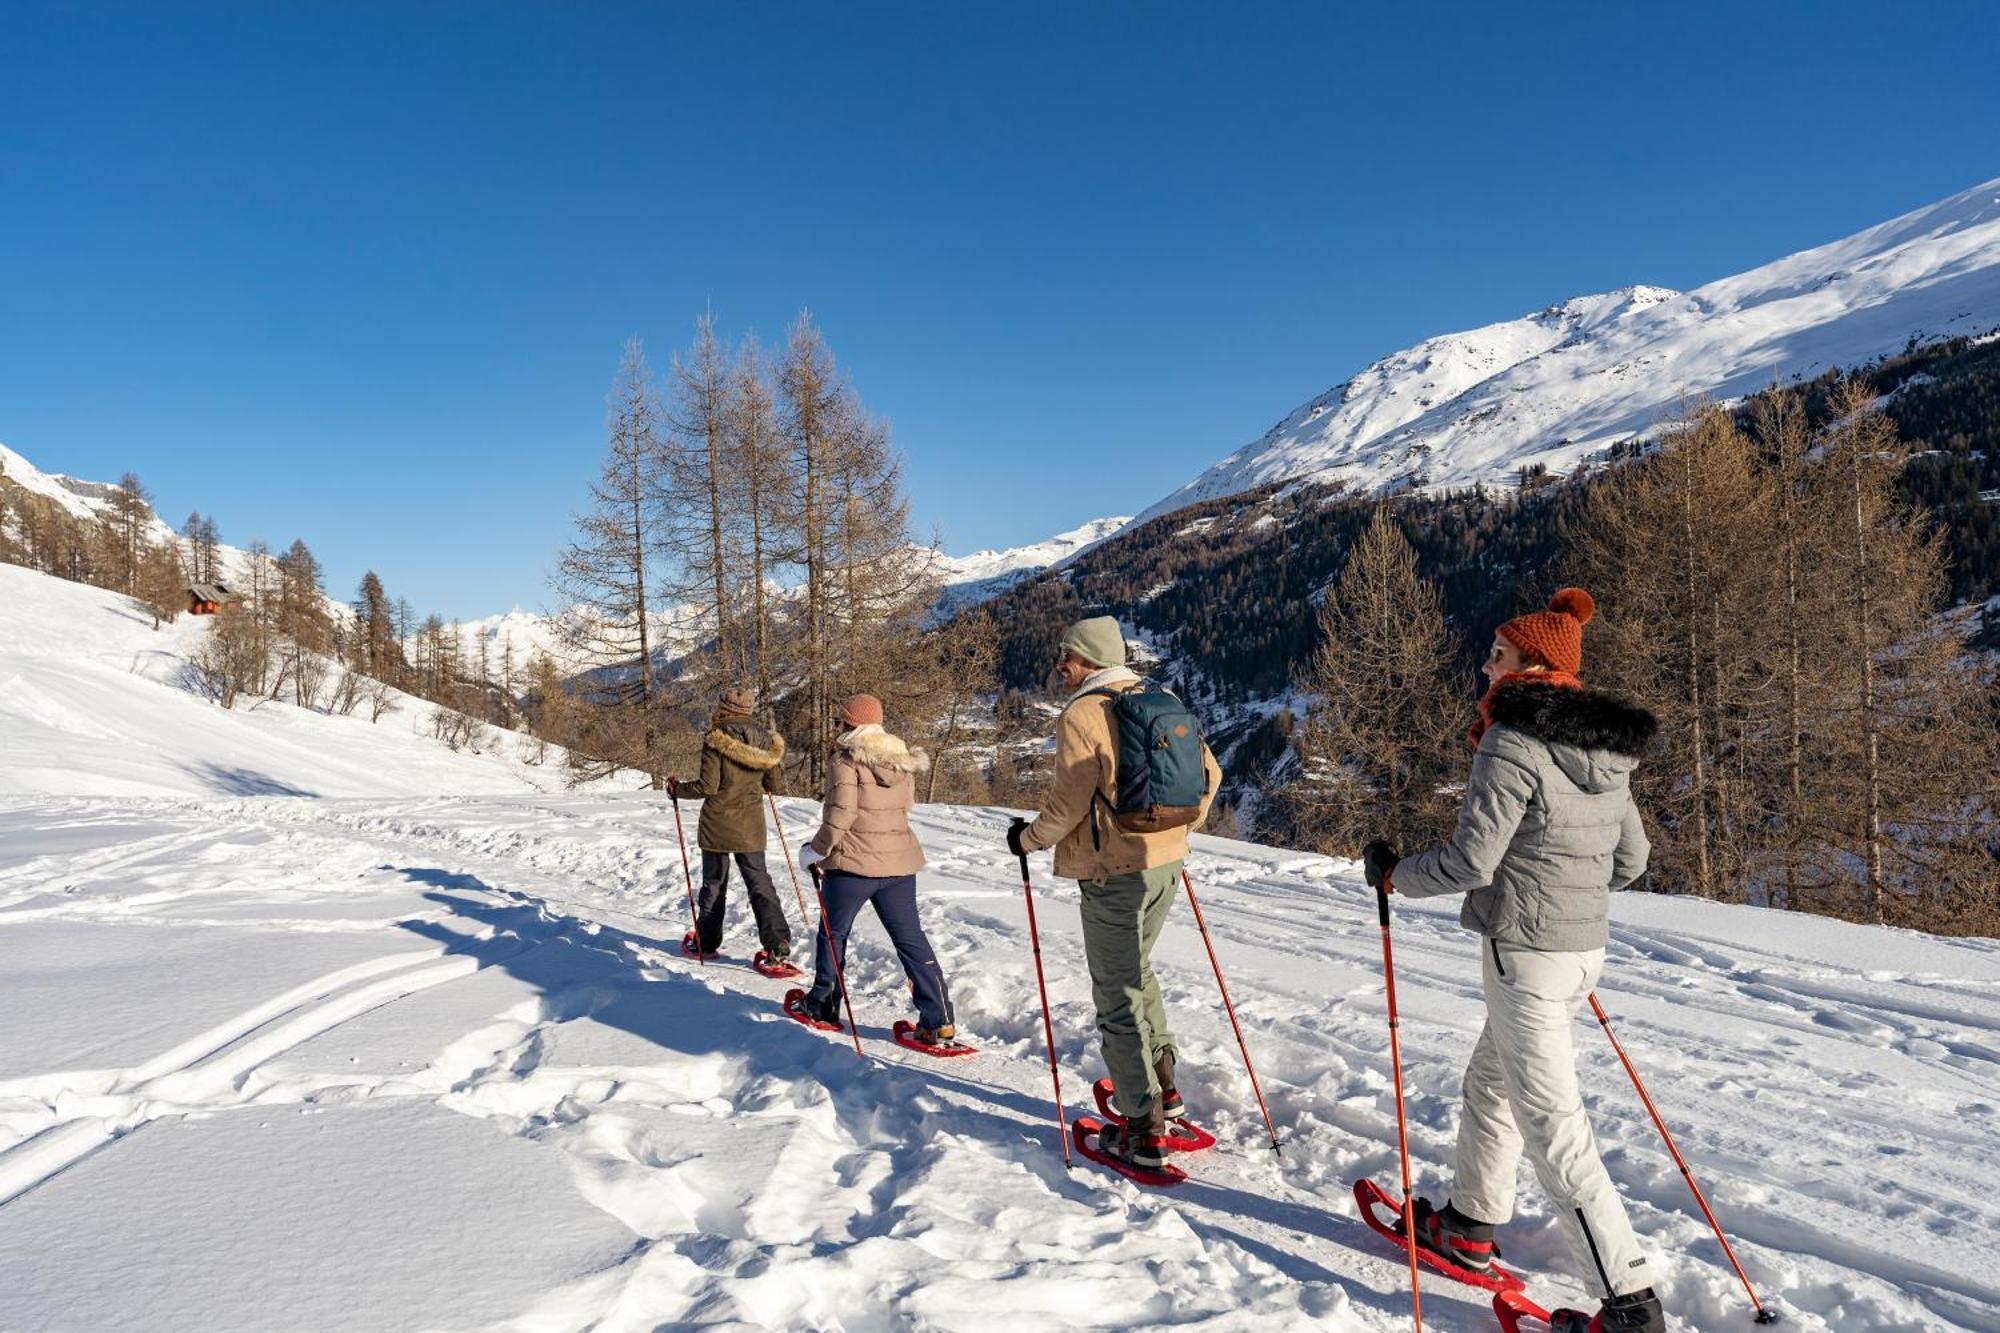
{"x":1382,"y":903}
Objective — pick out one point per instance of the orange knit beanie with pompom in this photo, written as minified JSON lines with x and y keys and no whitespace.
{"x":1554,"y":637}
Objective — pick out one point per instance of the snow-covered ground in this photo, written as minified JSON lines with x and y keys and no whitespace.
{"x":311,"y":1022}
{"x":95,"y":701}
{"x":1557,"y":386}
{"x":437,"y":1063}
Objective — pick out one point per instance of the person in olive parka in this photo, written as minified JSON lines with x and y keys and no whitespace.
{"x":740,"y":762}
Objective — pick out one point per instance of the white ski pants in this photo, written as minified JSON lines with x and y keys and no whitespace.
{"x":1521,"y":1092}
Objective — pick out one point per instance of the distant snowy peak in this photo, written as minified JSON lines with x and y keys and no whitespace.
{"x":971,"y":579}
{"x":1559,"y":385}
{"x":957,"y":569}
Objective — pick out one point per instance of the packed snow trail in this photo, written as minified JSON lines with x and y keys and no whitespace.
{"x":439,"y":1063}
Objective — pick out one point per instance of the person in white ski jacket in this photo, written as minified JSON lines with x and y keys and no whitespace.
{"x":1547,"y":832}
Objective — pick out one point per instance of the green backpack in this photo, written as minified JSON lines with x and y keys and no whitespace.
{"x":1161,"y":779}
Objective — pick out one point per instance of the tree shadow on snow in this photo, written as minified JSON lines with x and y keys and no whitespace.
{"x":242,"y":781}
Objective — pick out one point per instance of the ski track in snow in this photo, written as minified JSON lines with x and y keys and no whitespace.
{"x":510,"y":966}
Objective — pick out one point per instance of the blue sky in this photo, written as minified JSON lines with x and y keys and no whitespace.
{"x":360,"y":273}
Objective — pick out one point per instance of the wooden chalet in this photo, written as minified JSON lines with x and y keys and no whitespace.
{"x":205,"y":599}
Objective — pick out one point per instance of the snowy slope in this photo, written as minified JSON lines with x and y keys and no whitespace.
{"x":93,"y":701}
{"x":1556,"y":387}
{"x":437,"y":1064}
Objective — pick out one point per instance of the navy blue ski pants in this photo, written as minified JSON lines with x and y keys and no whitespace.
{"x":895,"y":899}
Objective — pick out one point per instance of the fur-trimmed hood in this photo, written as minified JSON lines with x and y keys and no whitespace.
{"x":737,"y":741}
{"x":872,"y":747}
{"x":1597,"y":739}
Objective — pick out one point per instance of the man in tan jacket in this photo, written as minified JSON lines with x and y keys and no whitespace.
{"x":1127,"y":882}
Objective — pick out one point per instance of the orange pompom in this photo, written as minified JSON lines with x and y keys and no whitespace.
{"x":1575,"y":603}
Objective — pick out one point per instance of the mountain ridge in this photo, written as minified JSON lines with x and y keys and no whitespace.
{"x":1557,"y":387}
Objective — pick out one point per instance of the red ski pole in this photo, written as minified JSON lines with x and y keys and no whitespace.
{"x":1048,"y":1029}
{"x":1402,"y":1122}
{"x":687,"y":876}
{"x":833,"y":952}
{"x":1230,"y":1009}
{"x":1764,"y":1316}
{"x":785,"y":845}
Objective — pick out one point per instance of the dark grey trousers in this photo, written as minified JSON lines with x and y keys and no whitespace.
{"x":773,"y":931}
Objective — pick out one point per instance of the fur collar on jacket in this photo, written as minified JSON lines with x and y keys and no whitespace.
{"x":1560,"y":714}
{"x":740,"y":751}
{"x":1104,"y":678}
{"x":872,"y":747}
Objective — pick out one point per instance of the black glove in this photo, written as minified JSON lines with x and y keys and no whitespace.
{"x":1378,"y":858}
{"x":1015,"y":833}
{"x":673,"y":789}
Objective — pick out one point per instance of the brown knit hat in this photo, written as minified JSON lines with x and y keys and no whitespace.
{"x":736,"y":703}
{"x":861,"y":710}
{"x":1554,"y":637}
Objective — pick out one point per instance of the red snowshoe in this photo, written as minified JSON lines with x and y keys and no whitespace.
{"x":905,"y":1033}
{"x":1182,"y":1135}
{"x":794,"y":999}
{"x":691,"y":946}
{"x":1087,"y":1130}
{"x":1511,"y":1307}
{"x":1370,"y":1197}
{"x":781,"y":970}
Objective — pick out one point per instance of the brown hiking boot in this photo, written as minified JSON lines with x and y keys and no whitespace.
{"x":1171,"y":1106}
{"x":938,"y":1036}
{"x":1133,"y":1145}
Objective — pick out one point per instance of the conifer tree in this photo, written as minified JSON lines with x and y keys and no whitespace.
{"x":602,"y":573}
{"x":1672,"y":549}
{"x":375,"y":621}
{"x":1384,"y":737}
{"x":758,"y":465}
{"x":814,"y":410}
{"x":131,"y":512}
{"x":699,"y":519}
{"x":1913,"y":739}
{"x":303,"y":622}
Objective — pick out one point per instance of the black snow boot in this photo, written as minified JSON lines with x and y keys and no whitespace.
{"x":827,"y":1011}
{"x":1456,"y":1238}
{"x":1634,"y":1312}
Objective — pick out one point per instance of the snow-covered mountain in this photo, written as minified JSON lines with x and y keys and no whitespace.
{"x":971,"y":579}
{"x":1555,"y":387}
{"x":88,"y":500}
